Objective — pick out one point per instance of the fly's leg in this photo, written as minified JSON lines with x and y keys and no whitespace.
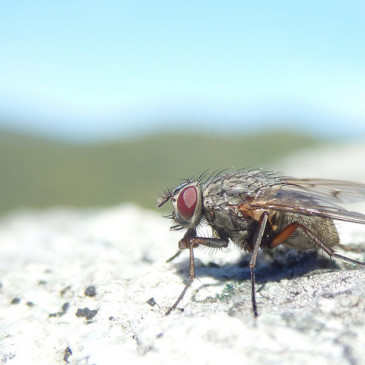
{"x":210,"y":242}
{"x":189,"y":241}
{"x":291,"y":228}
{"x":177,"y":254}
{"x":191,"y":279}
{"x":257,"y":242}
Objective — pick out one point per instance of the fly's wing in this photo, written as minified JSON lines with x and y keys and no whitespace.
{"x":337,"y":191}
{"x":312,"y":197}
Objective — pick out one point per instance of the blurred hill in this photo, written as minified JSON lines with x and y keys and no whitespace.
{"x":37,"y":172}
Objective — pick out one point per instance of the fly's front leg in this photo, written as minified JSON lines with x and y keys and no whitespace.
{"x":185,"y":242}
{"x":177,"y":254}
{"x":189,"y":241}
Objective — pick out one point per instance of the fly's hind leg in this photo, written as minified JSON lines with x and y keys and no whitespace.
{"x":291,"y":228}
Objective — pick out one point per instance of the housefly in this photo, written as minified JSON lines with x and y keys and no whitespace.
{"x":259,"y":208}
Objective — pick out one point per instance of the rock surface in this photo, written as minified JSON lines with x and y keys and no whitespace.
{"x":92,"y":287}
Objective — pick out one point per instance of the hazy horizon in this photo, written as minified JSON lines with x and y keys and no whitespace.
{"x":88,"y":69}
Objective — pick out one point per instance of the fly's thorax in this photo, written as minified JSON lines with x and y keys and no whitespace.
{"x":223,"y":217}
{"x":221,"y":198}
{"x":228,"y":220}
{"x":238,"y":184}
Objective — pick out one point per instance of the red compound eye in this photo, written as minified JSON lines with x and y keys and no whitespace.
{"x":186,"y":202}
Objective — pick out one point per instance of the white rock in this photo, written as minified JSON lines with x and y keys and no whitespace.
{"x":310,"y":310}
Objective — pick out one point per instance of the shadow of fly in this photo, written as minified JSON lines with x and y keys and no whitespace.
{"x":258,"y":208}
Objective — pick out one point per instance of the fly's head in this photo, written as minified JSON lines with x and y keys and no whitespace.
{"x":187,"y":202}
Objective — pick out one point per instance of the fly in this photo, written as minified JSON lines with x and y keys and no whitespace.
{"x":258,"y":208}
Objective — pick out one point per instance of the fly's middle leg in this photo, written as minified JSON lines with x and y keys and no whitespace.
{"x":256,"y":245}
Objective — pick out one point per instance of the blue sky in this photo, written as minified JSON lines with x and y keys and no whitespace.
{"x":89,"y":69}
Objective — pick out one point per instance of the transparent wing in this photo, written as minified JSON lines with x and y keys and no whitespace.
{"x":332,"y":190}
{"x":312,"y":197}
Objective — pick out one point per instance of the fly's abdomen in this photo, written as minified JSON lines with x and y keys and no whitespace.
{"x":323,"y":228}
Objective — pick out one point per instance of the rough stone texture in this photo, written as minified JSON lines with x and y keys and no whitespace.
{"x":312,"y":310}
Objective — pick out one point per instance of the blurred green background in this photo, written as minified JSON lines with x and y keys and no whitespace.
{"x":38,"y":172}
{"x":105,"y":102}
